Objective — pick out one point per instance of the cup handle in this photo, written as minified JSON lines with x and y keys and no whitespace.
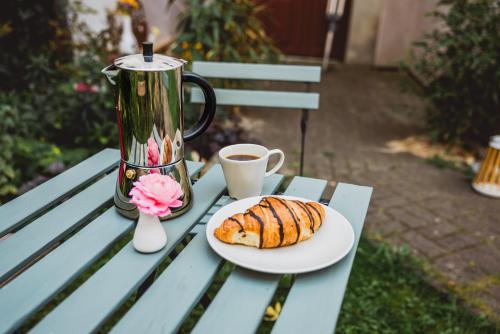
{"x":279,"y":164}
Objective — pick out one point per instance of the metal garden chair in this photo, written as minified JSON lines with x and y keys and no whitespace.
{"x":304,"y":101}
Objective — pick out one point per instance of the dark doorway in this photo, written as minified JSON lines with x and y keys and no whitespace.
{"x":298,"y":27}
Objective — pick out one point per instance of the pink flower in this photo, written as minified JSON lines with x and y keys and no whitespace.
{"x":82,"y":87}
{"x":153,"y":152}
{"x":155,"y":194}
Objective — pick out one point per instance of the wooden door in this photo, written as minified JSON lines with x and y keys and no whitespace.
{"x":298,"y":27}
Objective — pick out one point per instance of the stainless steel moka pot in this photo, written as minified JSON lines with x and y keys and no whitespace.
{"x":148,"y":95}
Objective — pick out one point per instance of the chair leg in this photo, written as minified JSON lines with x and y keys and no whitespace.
{"x":303,"y":130}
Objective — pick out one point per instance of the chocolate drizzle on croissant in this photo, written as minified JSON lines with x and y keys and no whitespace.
{"x":294,"y":217}
{"x":239,"y":224}
{"x":273,"y":222}
{"x":308,"y":213}
{"x":278,"y":219}
{"x":261,"y":223}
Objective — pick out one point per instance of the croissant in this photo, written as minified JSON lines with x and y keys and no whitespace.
{"x":274,"y":222}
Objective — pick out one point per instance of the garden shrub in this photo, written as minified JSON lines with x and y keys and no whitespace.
{"x":30,"y":29}
{"x":459,"y":67}
{"x":20,"y":154}
{"x":222,"y":31}
{"x":55,"y":107}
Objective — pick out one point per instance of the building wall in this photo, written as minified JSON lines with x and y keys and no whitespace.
{"x":362,"y":33}
{"x":381,"y":32}
{"x":401,"y":23}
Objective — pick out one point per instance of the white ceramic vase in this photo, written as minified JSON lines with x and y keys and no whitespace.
{"x":149,"y":235}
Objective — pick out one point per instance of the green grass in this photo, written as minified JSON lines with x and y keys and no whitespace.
{"x":442,"y":163}
{"x":386,"y":295}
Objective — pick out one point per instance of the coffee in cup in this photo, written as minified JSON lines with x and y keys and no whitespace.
{"x":245,"y":166}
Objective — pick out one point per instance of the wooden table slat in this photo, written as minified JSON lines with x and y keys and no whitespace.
{"x":318,"y":296}
{"x":30,"y":241}
{"x":176,"y":291}
{"x":24,"y":207}
{"x":242,"y":300}
{"x":25,"y":295}
{"x":194,"y":167}
{"x":220,"y":203}
{"x":95,"y":300}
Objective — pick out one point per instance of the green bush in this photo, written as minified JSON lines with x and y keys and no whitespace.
{"x":54,"y":107}
{"x":8,"y":127}
{"x":77,"y":111}
{"x":21,"y":156}
{"x":223,"y":30}
{"x":29,"y":29}
{"x":459,"y":66}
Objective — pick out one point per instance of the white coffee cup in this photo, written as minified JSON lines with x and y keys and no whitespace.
{"x":245,"y":178}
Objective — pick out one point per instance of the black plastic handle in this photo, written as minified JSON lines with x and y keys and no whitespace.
{"x":210,"y":104}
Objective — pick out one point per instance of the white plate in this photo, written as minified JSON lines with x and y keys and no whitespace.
{"x":329,"y":244}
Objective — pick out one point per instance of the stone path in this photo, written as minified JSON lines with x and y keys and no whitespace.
{"x":434,"y":211}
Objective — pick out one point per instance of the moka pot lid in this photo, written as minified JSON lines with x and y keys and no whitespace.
{"x":148,"y":61}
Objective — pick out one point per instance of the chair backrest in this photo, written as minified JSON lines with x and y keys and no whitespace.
{"x":259,"y":98}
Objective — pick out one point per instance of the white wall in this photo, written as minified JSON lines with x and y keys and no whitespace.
{"x":97,"y":22}
{"x":402,"y":22}
{"x":157,"y":14}
{"x":381,"y":32}
{"x":362,"y":33}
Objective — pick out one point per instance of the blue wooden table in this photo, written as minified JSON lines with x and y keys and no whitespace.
{"x":67,"y":264}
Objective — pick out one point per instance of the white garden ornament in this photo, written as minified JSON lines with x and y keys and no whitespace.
{"x":487,"y":180}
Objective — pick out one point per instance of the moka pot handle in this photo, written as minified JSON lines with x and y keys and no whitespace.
{"x":210,"y":104}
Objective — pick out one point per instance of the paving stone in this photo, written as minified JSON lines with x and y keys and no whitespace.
{"x":425,"y":246}
{"x":420,"y":211}
{"x":438,"y":205}
{"x":439,"y":229}
{"x":458,"y":267}
{"x":488,"y":227}
{"x":491,"y":300}
{"x":464,"y":221}
{"x":403,"y":216}
{"x":459,"y":241}
{"x":449,"y":214}
{"x":382,"y":193}
{"x":395,"y":241}
{"x":385,"y":227}
{"x":494,"y":292}
{"x":485,"y":257}
{"x":378,"y":214}
{"x":394,"y":201}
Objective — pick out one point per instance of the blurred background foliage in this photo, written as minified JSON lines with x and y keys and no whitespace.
{"x":227,"y":31}
{"x":224,"y":30}
{"x":55,"y":105}
{"x":459,"y":68}
{"x":57,"y":109}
